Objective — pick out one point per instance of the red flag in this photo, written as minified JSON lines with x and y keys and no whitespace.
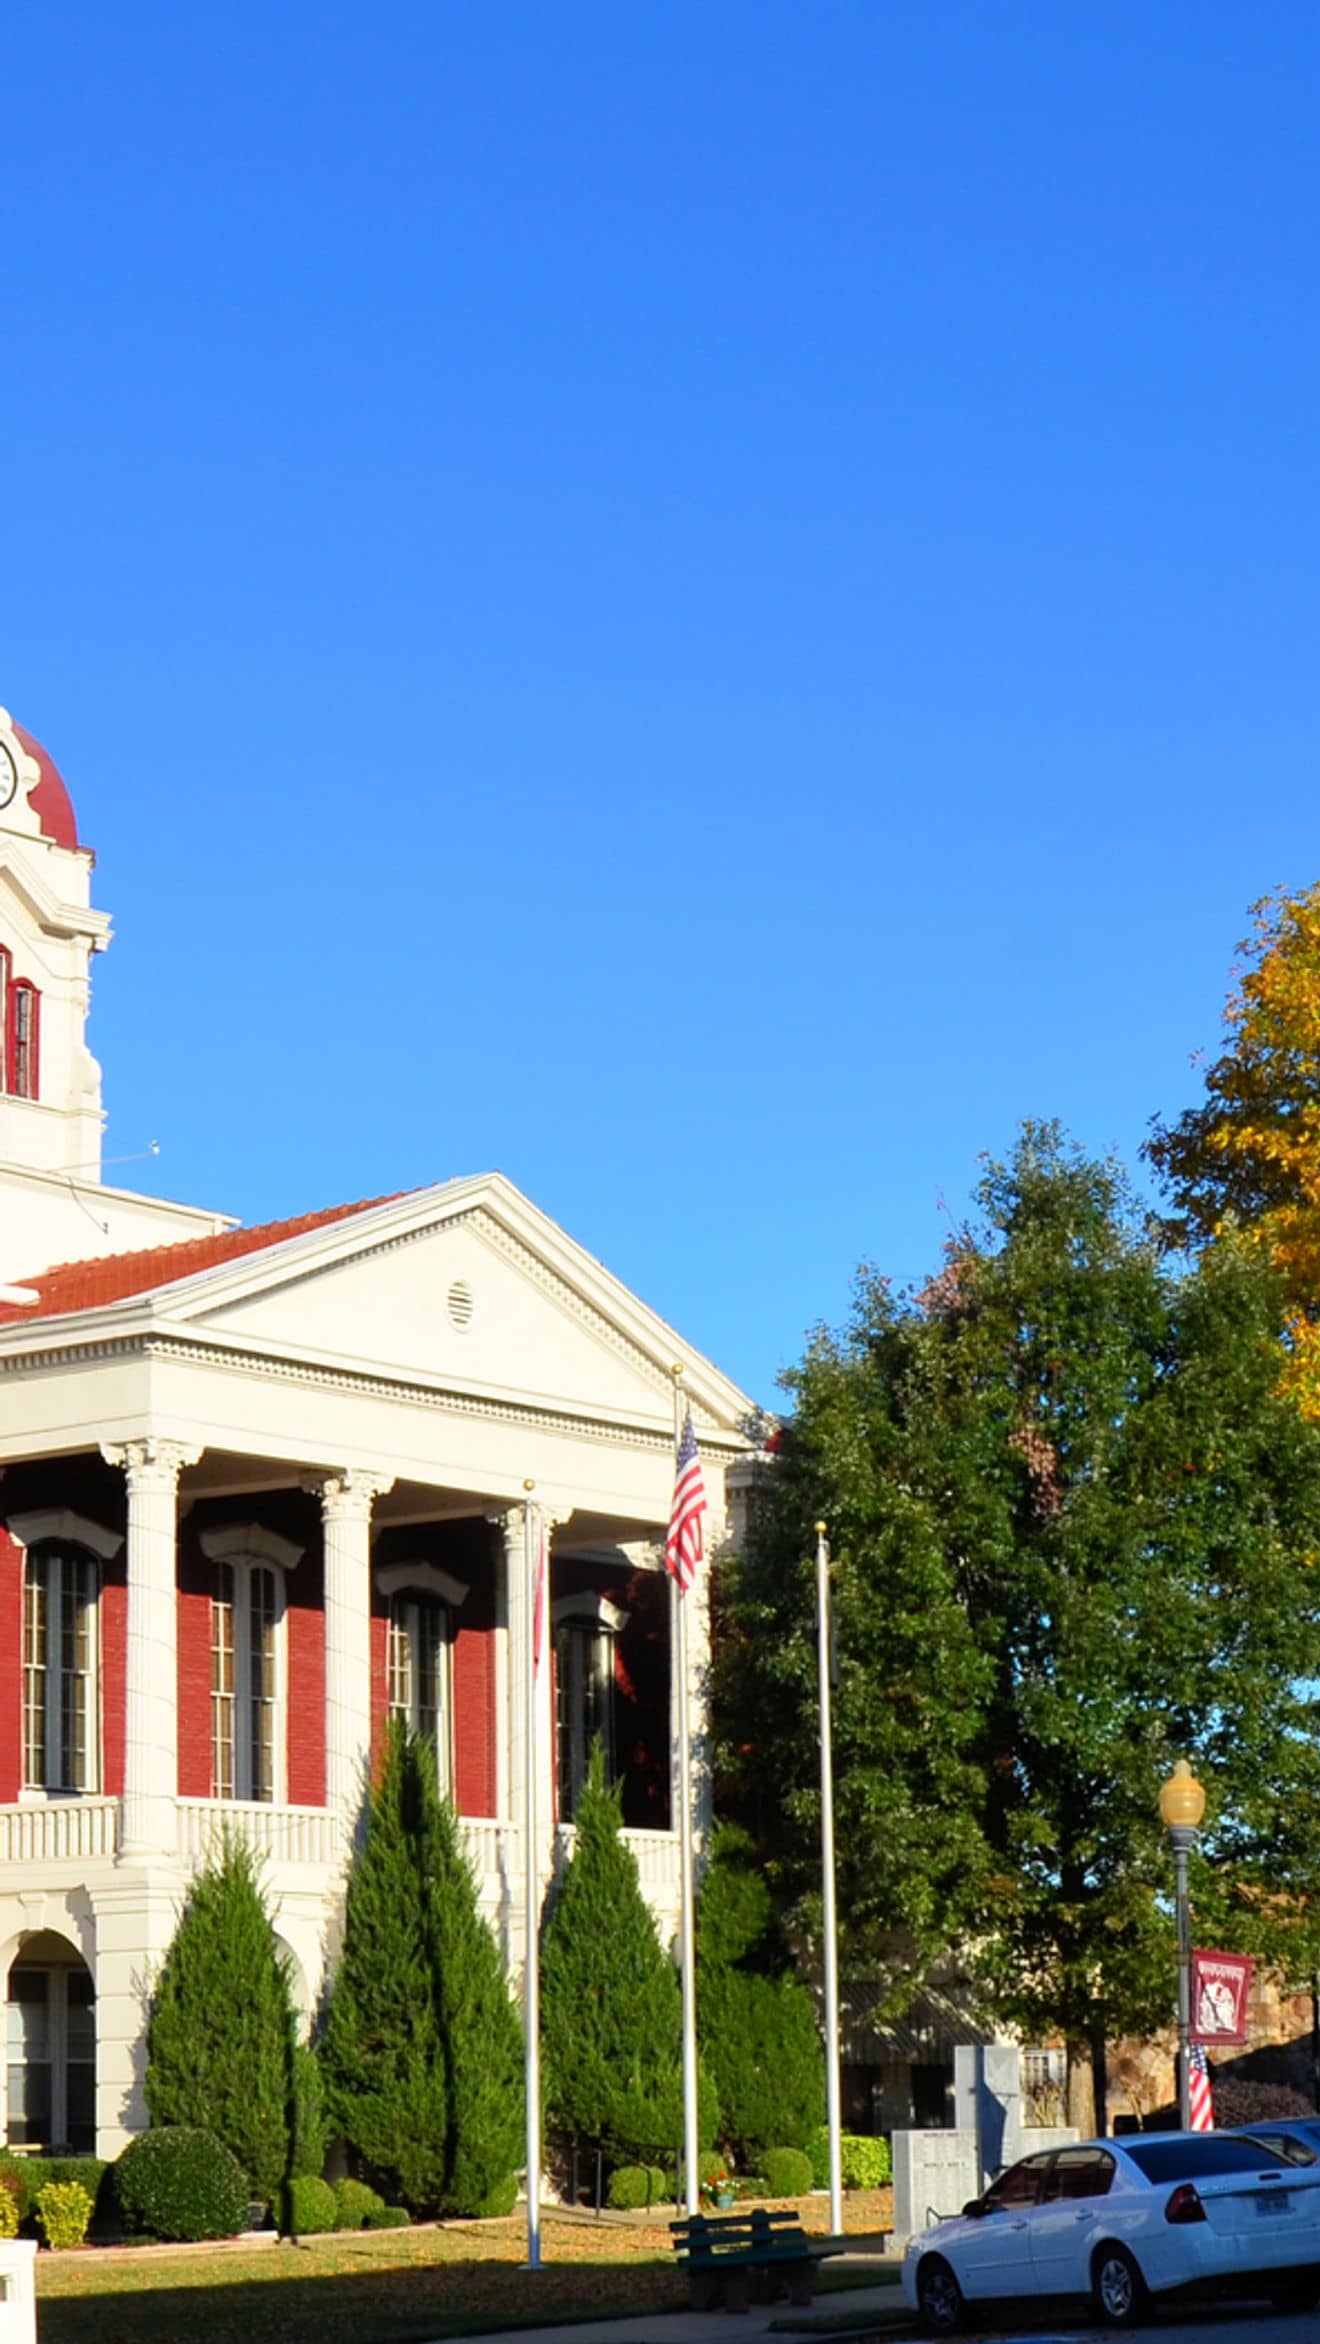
{"x":1202,"y":2105}
{"x":684,"y":1546}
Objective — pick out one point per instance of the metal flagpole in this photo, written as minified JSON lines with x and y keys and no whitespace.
{"x":831,"y":1932}
{"x":686,"y":1934}
{"x":532,"y":1946}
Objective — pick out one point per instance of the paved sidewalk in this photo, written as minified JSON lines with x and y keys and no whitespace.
{"x":879,"y":2310}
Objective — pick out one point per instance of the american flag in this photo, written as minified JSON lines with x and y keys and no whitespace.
{"x":684,"y":1547}
{"x":1198,"y":2076}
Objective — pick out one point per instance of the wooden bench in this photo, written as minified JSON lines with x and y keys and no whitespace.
{"x":747,"y":2257}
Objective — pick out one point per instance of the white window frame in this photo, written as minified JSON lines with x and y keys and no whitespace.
{"x":61,"y":1528}
{"x":402,"y":1585}
{"x":57,"y":1976}
{"x":594,"y":1625}
{"x":245,"y":1548}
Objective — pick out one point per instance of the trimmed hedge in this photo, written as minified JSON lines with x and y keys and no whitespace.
{"x":64,"y":2210}
{"x":181,"y":2182}
{"x":22,"y":2177}
{"x":865,"y":2160}
{"x":311,"y":2206}
{"x":8,"y":2214}
{"x":632,"y":2187}
{"x":355,"y":2203}
{"x":787,"y":2172}
{"x":499,"y":2200}
{"x":389,"y":2218}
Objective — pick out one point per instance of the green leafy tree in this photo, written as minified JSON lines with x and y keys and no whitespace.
{"x":222,"y":2032}
{"x":1074,"y":1525}
{"x":756,"y":2019}
{"x":611,"y":2012}
{"x":382,"y":2053}
{"x":422,"y":2050}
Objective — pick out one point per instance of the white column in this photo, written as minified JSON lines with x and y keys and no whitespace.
{"x":151,"y":1740}
{"x":518,"y":1598}
{"x":346,"y":1502}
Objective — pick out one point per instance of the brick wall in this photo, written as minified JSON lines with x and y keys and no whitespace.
{"x":194,"y":1672}
{"x":474,"y":1705}
{"x":114,"y":1673}
{"x":305,"y":1650}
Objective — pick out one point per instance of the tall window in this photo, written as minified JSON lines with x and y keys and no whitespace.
{"x":246,"y":1608}
{"x":419,"y":1680}
{"x":51,"y":2056}
{"x":584,"y":1696}
{"x":59,"y":1669}
{"x":20,"y":1008}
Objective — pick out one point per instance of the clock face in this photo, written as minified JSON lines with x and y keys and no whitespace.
{"x":8,"y":776}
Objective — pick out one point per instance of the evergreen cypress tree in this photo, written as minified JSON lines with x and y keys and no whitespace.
{"x":477,"y":2023}
{"x":756,"y":2019}
{"x":222,"y":2031}
{"x":382,"y":2055}
{"x":611,"y":2012}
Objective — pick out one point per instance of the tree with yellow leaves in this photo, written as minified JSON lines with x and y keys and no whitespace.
{"x":1248,"y":1158}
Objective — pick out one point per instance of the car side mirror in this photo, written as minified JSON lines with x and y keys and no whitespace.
{"x":974,"y":2209}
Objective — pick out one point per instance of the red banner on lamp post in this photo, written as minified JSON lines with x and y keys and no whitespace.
{"x":1221,"y":1987}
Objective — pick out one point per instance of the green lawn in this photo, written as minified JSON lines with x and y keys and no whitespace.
{"x":363,"y":2287}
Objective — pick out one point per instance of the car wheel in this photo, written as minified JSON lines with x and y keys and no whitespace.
{"x":1118,"y":2287}
{"x":939,"y":2297}
{"x":1300,"y":2294}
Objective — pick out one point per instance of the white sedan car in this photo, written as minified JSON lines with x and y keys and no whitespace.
{"x":1120,"y":2221}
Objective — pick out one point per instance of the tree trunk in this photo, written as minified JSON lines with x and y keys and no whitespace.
{"x":1081,"y":2090}
{"x":1100,"y":2080}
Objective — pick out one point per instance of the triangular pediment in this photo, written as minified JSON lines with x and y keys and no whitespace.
{"x":480,"y":1293}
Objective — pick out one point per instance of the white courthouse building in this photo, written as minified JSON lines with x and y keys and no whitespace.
{"x":258,"y":1488}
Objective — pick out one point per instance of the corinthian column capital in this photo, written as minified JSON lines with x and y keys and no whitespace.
{"x":348,"y":1496}
{"x":150,"y":1463}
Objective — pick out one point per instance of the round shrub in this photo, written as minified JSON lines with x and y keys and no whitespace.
{"x":355,"y":2204}
{"x":865,"y":2161}
{"x":500,"y":2200}
{"x":629,"y":2188}
{"x":64,"y":2210}
{"x":181,"y":2182}
{"x":787,"y":2172}
{"x":389,"y":2218}
{"x":311,"y":2206}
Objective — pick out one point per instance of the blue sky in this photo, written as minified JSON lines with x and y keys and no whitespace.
{"x":707,"y":605}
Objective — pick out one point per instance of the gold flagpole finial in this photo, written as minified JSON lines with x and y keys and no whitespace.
{"x":822,"y":1529}
{"x":676,"y":1371}
{"x":529,"y":1486}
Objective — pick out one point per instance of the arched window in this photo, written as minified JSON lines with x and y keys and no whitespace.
{"x":20,"y":1024}
{"x":51,"y":2048}
{"x":423,"y":1605}
{"x":248,"y":1564}
{"x":61,"y":1584}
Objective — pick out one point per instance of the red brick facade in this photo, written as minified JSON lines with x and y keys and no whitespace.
{"x":114,"y":1673}
{"x":194,"y":1675}
{"x":305,"y":1660}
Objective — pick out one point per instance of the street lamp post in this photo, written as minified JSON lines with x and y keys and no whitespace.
{"x":1182,"y":1804}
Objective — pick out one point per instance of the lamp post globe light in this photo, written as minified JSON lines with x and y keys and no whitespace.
{"x":1182,"y":1804}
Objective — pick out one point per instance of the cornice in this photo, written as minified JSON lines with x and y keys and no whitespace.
{"x":446,"y":1399}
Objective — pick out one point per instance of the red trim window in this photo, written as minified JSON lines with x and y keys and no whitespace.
{"x":20,"y":1032}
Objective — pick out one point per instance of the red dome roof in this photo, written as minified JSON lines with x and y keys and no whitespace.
{"x":50,"y":800}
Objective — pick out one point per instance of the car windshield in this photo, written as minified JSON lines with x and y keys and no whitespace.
{"x":1176,"y":2158}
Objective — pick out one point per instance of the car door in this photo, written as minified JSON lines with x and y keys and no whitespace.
{"x":994,"y":2254}
{"x":1063,"y":2227}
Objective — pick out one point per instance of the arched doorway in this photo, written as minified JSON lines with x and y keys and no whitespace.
{"x":51,"y":2045}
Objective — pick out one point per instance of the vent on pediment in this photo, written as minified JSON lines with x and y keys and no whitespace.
{"x":460,"y":1302}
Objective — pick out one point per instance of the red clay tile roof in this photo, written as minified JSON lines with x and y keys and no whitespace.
{"x":89,"y":1285}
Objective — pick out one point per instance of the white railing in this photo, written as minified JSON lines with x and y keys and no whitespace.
{"x":494,"y":1847}
{"x":283,"y":1835}
{"x":58,"y":1831}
